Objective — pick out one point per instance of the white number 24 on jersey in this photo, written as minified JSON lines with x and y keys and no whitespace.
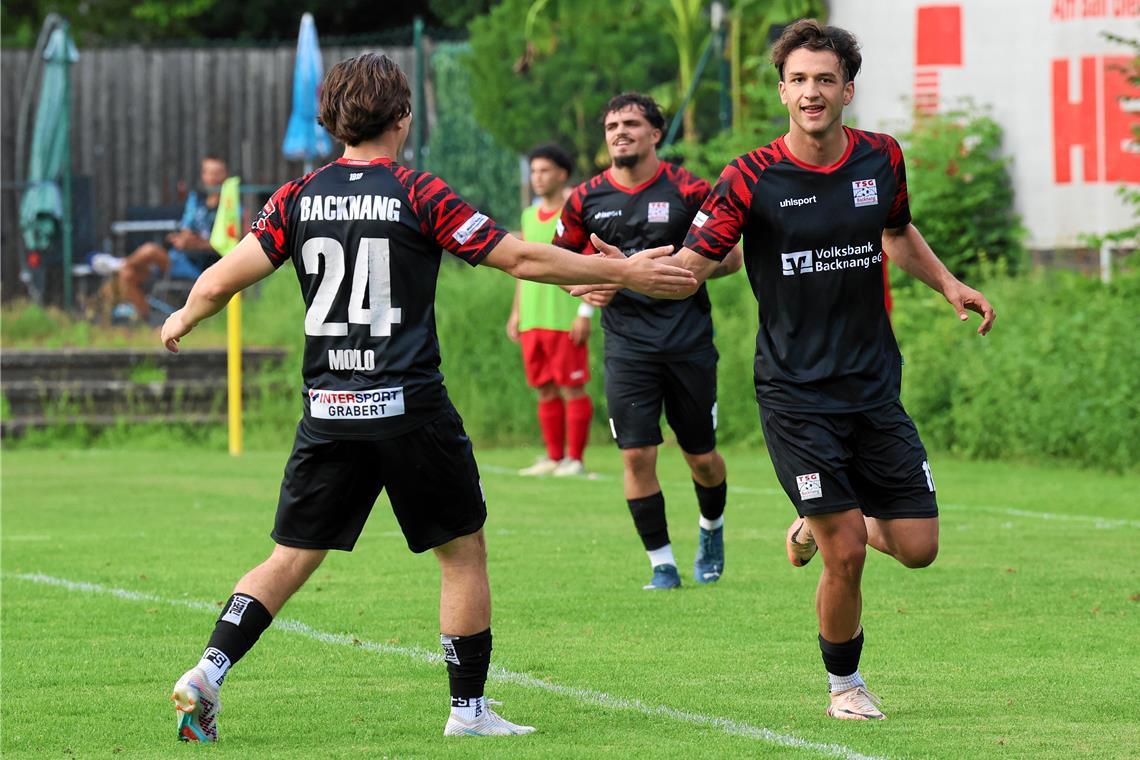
{"x":372,"y":270}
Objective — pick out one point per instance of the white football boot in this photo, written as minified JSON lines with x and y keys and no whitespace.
{"x":197,"y":704}
{"x":489,"y":723}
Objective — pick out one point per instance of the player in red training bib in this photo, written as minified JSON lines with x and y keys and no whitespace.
{"x":553,"y":328}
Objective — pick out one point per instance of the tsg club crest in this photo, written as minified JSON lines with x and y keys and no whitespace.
{"x":659,"y":212}
{"x":865,"y":192}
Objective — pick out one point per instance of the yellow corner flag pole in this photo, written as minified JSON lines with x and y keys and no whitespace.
{"x":223,"y":238}
{"x":233,"y":371}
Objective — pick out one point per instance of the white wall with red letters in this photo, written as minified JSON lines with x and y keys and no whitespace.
{"x":1051,"y":78}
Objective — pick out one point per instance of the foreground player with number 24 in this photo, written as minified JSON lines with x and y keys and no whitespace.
{"x":817,"y":209}
{"x":365,"y":236}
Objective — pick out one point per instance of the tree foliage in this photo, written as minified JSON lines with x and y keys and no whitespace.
{"x":151,"y":21}
{"x":553,"y":83}
{"x":457,"y":14}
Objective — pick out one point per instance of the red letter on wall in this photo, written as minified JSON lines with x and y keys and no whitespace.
{"x":939,"y":37}
{"x":1074,"y":123}
{"x":1121,"y":161}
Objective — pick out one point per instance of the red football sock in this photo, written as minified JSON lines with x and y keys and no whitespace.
{"x":579,"y":412}
{"x":552,"y":420}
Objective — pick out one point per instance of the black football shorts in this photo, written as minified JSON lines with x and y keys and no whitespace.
{"x":636,"y":390}
{"x":430,"y":473}
{"x":871,"y":460}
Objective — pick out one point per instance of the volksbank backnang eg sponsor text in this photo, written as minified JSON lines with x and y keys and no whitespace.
{"x":830,"y":259}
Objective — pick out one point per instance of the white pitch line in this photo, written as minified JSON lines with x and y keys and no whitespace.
{"x":590,"y":696}
{"x":495,"y":469}
{"x":1096,"y":520}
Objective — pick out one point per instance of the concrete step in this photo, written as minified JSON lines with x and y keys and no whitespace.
{"x":103,"y":387}
{"x":36,"y":398}
{"x":121,"y":364}
{"x":15,"y":428}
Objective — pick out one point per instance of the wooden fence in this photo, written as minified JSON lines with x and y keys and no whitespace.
{"x":143,"y":118}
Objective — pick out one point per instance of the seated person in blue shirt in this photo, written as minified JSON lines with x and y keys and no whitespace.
{"x":188,"y":251}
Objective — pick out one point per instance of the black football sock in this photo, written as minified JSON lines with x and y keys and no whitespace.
{"x":468,"y":658}
{"x":649,"y":519}
{"x":842,"y":662}
{"x":240,"y":625}
{"x":712,"y":500}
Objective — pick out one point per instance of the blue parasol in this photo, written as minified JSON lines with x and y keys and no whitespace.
{"x":305,"y":139}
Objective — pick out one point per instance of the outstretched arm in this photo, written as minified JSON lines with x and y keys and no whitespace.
{"x":909,"y":250}
{"x":648,"y":272}
{"x":236,"y":271}
{"x":729,"y":265}
{"x":701,"y":268}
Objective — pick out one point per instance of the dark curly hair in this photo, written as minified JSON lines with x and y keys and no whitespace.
{"x":363,"y":97}
{"x":649,"y":108}
{"x":555,"y":155}
{"x":809,"y":33}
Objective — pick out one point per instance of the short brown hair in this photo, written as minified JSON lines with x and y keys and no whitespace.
{"x":809,"y":33}
{"x":363,"y":97}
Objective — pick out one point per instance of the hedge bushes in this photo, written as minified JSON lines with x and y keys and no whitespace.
{"x":1058,"y":377}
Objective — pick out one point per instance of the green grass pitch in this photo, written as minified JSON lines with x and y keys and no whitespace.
{"x":1022,"y":641}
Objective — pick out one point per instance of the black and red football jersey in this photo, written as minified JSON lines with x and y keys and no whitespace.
{"x":655,"y":213}
{"x":366,"y":240}
{"x":814,"y":256}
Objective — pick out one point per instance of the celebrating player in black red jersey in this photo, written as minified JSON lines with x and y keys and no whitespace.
{"x":364,"y":235}
{"x":818,"y":208}
{"x":656,"y":350}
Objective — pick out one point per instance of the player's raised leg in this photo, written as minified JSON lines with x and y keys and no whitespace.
{"x":711,"y":484}
{"x":465,"y":633}
{"x":912,"y":541}
{"x":256,"y":599}
{"x":800,"y":543}
{"x":842,"y":542}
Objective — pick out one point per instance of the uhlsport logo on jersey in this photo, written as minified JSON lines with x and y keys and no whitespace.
{"x":794,"y":202}
{"x":373,"y":404}
{"x":810,"y":486}
{"x":659,"y":212}
{"x":830,"y":259}
{"x":865,"y":192}
{"x":797,"y":262}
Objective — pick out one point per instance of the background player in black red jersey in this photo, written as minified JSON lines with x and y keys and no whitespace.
{"x":657,"y":351}
{"x":365,"y":236}
{"x":817,"y":209}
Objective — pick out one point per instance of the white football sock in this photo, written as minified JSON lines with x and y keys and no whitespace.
{"x":662,"y":556}
{"x":215,"y":664}
{"x":708,"y":524}
{"x":468,"y":709}
{"x":843,"y":683}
